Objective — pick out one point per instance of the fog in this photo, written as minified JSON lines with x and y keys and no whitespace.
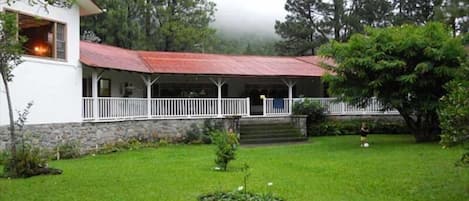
{"x":240,"y":17}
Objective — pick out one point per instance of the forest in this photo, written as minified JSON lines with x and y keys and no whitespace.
{"x":185,"y":25}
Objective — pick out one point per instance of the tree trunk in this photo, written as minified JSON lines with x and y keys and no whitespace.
{"x":426,"y":130}
{"x":12,"y":122}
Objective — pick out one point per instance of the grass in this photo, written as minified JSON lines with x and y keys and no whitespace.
{"x":326,"y":168}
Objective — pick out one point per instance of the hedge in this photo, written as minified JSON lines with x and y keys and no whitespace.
{"x":352,"y":127}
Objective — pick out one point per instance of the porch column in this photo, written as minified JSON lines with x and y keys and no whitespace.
{"x":219,"y":82}
{"x":290,"y":85}
{"x":95,"y":77}
{"x":149,"y":82}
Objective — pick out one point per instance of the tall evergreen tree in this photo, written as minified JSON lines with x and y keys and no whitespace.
{"x":415,"y":11}
{"x":311,"y":23}
{"x":374,"y":13}
{"x":170,"y":25}
{"x":455,"y":13}
{"x":119,"y":25}
{"x":184,"y":24}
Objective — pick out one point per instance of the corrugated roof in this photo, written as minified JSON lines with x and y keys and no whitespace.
{"x":104,"y":56}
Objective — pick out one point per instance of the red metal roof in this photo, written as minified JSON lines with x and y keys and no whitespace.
{"x":104,"y":56}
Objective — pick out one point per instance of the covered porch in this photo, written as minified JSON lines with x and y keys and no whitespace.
{"x":121,"y":84}
{"x":123,"y":95}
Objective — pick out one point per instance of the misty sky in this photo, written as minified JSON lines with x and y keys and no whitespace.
{"x":249,"y":16}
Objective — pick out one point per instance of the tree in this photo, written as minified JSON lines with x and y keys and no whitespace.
{"x":169,"y":25}
{"x":415,"y":11}
{"x":455,"y":13}
{"x":373,"y":13}
{"x":311,"y":23}
{"x":123,"y":20}
{"x":46,"y":3}
{"x":10,"y":56}
{"x":184,"y":24}
{"x":404,"y":67}
{"x":454,"y":111}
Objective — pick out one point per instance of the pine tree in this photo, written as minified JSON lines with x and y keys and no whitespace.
{"x":311,"y":23}
{"x":169,"y":25}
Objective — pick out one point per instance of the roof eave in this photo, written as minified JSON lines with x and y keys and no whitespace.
{"x":89,"y":7}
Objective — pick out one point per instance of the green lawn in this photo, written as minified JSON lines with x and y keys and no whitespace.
{"x":326,"y":168}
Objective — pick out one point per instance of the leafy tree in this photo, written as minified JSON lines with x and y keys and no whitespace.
{"x":10,"y":56}
{"x":403,"y":67}
{"x":169,"y":25}
{"x":184,"y":24}
{"x":122,"y":19}
{"x":454,"y":112}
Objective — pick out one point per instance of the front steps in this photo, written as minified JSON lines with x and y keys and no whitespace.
{"x":269,"y":130}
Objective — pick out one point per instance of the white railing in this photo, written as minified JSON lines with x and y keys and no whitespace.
{"x":87,"y":110}
{"x":276,"y":106}
{"x":116,"y":108}
{"x":235,"y":106}
{"x":333,"y":107}
{"x":137,"y":108}
{"x":183,"y":107}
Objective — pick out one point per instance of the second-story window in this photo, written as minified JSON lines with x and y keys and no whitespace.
{"x":44,"y":38}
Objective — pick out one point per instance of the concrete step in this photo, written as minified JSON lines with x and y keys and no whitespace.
{"x":255,"y":121}
{"x":266,"y":126}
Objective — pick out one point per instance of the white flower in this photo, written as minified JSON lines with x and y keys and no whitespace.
{"x":270,"y":184}
{"x":240,"y":188}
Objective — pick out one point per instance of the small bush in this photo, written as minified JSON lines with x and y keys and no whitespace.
{"x":3,"y":157}
{"x":313,"y":109}
{"x":352,"y":127}
{"x":68,"y":150}
{"x":226,"y":146}
{"x":29,"y":162}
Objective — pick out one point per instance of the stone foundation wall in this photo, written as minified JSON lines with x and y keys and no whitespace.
{"x":393,"y":117}
{"x":96,"y":134}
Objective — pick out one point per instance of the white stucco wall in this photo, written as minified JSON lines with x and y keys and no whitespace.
{"x":54,"y":86}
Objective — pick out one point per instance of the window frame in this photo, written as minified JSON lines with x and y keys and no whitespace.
{"x":101,"y":87}
{"x":55,"y":22}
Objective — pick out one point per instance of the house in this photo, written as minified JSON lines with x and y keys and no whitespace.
{"x":93,"y":92}
{"x":51,"y":73}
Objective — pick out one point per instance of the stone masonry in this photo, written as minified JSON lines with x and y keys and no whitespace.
{"x":92,"y":135}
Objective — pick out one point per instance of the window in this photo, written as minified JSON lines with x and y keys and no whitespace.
{"x":44,"y":38}
{"x":104,"y":86}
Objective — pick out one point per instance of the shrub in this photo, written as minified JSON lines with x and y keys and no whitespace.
{"x":29,"y":162}
{"x":226,"y":145}
{"x":68,"y":150}
{"x":454,"y":117}
{"x":352,"y":127}
{"x":313,"y":109}
{"x":3,"y":157}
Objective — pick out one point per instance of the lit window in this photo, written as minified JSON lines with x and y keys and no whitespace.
{"x":44,"y":38}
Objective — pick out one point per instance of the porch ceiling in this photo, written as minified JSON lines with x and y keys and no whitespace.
{"x":104,"y":56}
